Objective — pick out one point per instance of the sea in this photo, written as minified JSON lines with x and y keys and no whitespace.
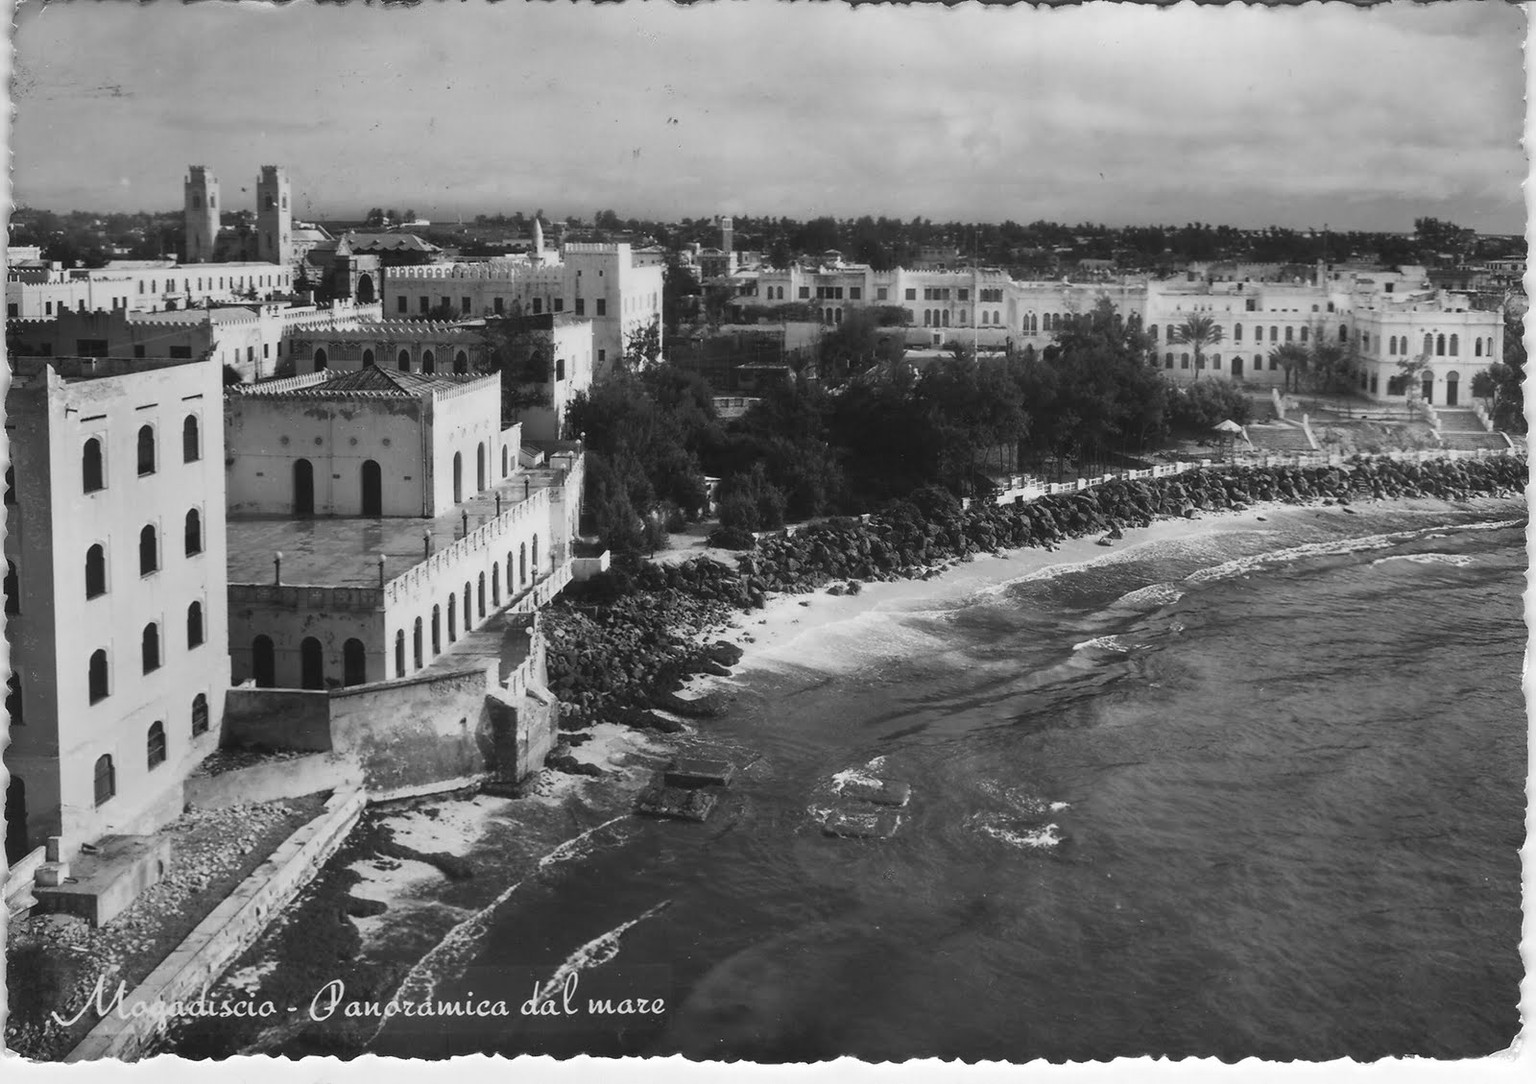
{"x":1254,"y":792}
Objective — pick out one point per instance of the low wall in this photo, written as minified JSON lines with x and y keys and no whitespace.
{"x":417,"y":731}
{"x":273,"y":781}
{"x":277,"y":719}
{"x":218,"y":940}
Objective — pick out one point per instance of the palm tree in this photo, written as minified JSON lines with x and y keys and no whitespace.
{"x":1199,"y":331}
{"x":1293,"y":358}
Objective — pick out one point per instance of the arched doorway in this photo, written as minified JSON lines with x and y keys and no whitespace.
{"x":303,"y":488}
{"x":535,"y":556}
{"x":373,"y":489}
{"x":480,"y":468}
{"x":320,"y":359}
{"x":367,"y":358}
{"x":263,"y":662}
{"x":417,"y":644}
{"x":461,"y":362}
{"x":1237,"y":366}
{"x":428,"y":363}
{"x":354,"y":663}
{"x":1427,"y":388}
{"x":365,"y":289}
{"x":403,"y":361}
{"x":15,"y":820}
{"x":458,"y":477}
{"x":522,"y":564}
{"x":1452,"y":387}
{"x":311,"y":664}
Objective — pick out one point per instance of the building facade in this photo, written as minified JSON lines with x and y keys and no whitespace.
{"x":43,"y":294}
{"x":200,"y":213}
{"x":117,"y":620}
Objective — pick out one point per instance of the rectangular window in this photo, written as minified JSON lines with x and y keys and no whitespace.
{"x":47,"y":308}
{"x":581,"y":306}
{"x":911,"y":295}
{"x":880,"y":293}
{"x":855,"y":293}
{"x":805,"y":293}
{"x":497,"y":305}
{"x":559,"y":368}
{"x":180,"y":352}
{"x":464,"y":305}
{"x":138,"y":350}
{"x":426,"y":306}
{"x":559,"y":304}
{"x":602,"y":307}
{"x":602,"y":356}
{"x":400,"y":305}
{"x":266,"y":350}
{"x":965,"y":294}
{"x":12,"y":311}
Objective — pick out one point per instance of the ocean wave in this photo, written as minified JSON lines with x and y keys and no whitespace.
{"x":1152,"y":597}
{"x":864,"y":776}
{"x":1459,"y":560}
{"x":450,"y":955}
{"x":1020,"y":801}
{"x":1028,"y":838}
{"x":595,"y":952}
{"x":1104,"y":643}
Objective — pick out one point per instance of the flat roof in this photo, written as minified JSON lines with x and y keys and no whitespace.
{"x":334,"y":551}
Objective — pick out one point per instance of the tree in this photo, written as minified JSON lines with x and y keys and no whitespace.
{"x":525,"y":360}
{"x":642,"y":347}
{"x":1410,"y":370}
{"x":1199,"y":331}
{"x":1294,"y":360}
{"x":410,"y":216}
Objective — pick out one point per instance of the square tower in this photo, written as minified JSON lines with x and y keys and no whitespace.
{"x":274,"y":217}
{"x":200,"y":197}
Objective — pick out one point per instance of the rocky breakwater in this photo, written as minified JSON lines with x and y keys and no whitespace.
{"x":624,"y":645}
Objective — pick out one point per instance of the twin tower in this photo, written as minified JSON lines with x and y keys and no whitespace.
{"x":274,"y":215}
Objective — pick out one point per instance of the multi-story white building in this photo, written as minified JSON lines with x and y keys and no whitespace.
{"x":1381,"y":317}
{"x":377,"y":515}
{"x":44,"y":293}
{"x":115,"y":592}
{"x":603,"y":283}
{"x":252,"y":339}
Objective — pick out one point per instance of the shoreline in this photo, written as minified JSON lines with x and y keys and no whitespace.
{"x":772,"y":632}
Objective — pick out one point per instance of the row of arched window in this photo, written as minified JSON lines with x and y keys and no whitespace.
{"x":149,"y":553}
{"x":93,"y":470}
{"x":474,"y":601}
{"x":99,"y":670}
{"x":104,"y":782}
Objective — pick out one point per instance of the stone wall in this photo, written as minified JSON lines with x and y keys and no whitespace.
{"x":274,"y":780}
{"x":277,"y":719}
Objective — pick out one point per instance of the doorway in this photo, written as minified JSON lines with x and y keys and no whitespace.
{"x":373,"y":489}
{"x":303,"y":488}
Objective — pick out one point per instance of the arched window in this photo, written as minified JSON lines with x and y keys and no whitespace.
{"x":199,"y":714}
{"x":480,"y":595}
{"x":311,"y":663}
{"x":90,"y":466}
{"x":535,"y":556}
{"x":522,"y":564}
{"x":191,"y":445}
{"x":146,"y":449}
{"x":1440,"y":346}
{"x":194,"y":625}
{"x":1391,"y":344}
{"x":495,"y":586}
{"x":437,"y":633}
{"x":458,"y":477}
{"x":1152,"y":331}
{"x":399,"y":653}
{"x":1215,"y":361}
{"x":97,"y":677}
{"x":1429,"y":345}
{"x":428,"y":363}
{"x":1168,"y":361}
{"x":461,"y":362}
{"x":1289,"y":332}
{"x":151,"y":647}
{"x":155,"y":745}
{"x":149,"y":551}
{"x":263,"y":662}
{"x":193,"y":533}
{"x":503,"y":460}
{"x":354,"y":663}
{"x":320,"y":359}
{"x":1183,"y":361}
{"x":453,"y":617}
{"x":106,"y":779}
{"x":367,"y":358}
{"x":12,"y":589}
{"x":1343,"y":333}
{"x":1455,"y":346}
{"x":1274,"y":334}
{"x":403,"y":363}
{"x":1477,"y":347}
{"x":469,"y":611}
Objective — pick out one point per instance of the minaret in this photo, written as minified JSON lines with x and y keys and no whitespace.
{"x":200,"y":196}
{"x":538,"y":238}
{"x":274,"y":217}
{"x":726,"y":234}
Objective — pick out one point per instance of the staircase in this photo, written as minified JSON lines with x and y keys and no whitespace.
{"x":1279,"y":439}
{"x":1463,"y":430}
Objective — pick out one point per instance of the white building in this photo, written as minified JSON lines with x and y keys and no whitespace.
{"x":375,"y":516}
{"x":44,"y":293}
{"x":604,"y":283}
{"x":117,"y":621}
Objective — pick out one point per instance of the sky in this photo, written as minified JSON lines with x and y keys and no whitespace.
{"x":1249,"y":116}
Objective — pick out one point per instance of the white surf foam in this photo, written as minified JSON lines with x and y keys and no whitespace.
{"x":595,"y":952}
{"x":461,"y":943}
{"x":1459,"y":560}
{"x":1103,"y":643}
{"x":1152,"y":597}
{"x":1028,"y":838}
